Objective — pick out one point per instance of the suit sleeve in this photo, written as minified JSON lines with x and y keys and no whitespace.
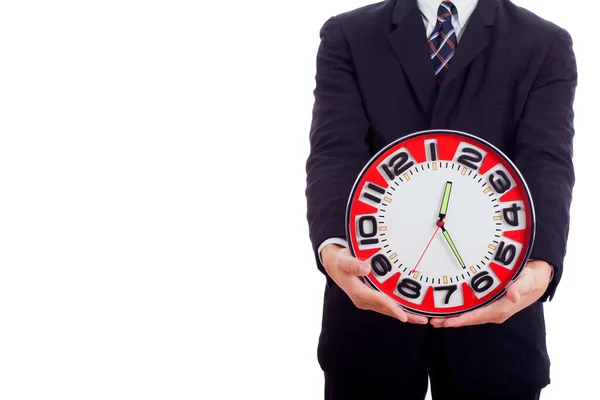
{"x":544,"y":153}
{"x":338,"y":147}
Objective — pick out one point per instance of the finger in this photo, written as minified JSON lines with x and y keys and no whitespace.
{"x":379,"y":302}
{"x":524,"y":285}
{"x":437,"y":322}
{"x":383,"y":304}
{"x":416,"y":319}
{"x":476,"y":317}
{"x":497,"y":312}
{"x":351,"y":265}
{"x":385,"y":311}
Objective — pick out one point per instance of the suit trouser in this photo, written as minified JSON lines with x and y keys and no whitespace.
{"x":413,"y":387}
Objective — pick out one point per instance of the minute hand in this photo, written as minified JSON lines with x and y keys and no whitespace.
{"x":453,"y":247}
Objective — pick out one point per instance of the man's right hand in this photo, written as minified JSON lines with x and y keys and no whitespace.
{"x":347,"y":272}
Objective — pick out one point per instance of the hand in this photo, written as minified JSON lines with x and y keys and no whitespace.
{"x":347,"y":271}
{"x":528,"y":288}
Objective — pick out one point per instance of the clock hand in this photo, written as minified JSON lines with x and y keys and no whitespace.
{"x":445,"y":200}
{"x":442,"y":216}
{"x":439,"y":225}
{"x":453,"y":246}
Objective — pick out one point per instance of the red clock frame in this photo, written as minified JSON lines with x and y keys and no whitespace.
{"x":447,"y":144}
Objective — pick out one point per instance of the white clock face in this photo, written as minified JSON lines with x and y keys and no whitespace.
{"x":442,"y":235}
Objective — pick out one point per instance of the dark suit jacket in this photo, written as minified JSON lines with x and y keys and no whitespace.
{"x":511,"y":82}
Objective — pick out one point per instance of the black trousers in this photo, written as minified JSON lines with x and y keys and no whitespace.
{"x":354,"y":386}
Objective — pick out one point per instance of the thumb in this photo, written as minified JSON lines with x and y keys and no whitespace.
{"x":352,"y":265}
{"x":524,"y":285}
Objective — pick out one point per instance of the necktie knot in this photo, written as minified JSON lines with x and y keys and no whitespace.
{"x":445,"y":12}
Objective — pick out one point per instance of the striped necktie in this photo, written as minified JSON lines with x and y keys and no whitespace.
{"x":442,"y":42}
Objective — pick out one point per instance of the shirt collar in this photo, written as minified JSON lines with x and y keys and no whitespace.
{"x":464,"y":9}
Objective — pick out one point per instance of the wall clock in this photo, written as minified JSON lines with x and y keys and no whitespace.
{"x":444,"y":218}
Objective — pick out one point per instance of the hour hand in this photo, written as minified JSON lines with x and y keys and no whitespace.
{"x":445,"y":200}
{"x":453,"y":247}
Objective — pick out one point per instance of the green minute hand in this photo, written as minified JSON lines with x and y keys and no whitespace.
{"x":453,"y":247}
{"x":445,"y":200}
{"x":441,"y":221}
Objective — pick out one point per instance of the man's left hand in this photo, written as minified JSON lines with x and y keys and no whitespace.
{"x":528,"y":288}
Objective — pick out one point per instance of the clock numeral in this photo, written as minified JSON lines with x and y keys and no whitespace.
{"x":397,"y":165}
{"x":431,"y":150}
{"x":449,"y":289}
{"x":502,"y":184}
{"x":511,"y":214}
{"x":482,"y":282}
{"x":367,"y":228}
{"x":373,"y":192}
{"x":506,"y":253}
{"x":381,"y":265}
{"x":470,"y":158}
{"x":409,"y":288}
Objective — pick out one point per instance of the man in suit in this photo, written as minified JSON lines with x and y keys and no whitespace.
{"x":386,"y":70}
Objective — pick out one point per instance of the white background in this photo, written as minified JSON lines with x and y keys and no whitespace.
{"x":153,"y":242}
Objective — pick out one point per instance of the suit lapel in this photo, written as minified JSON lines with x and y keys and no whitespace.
{"x":409,"y":42}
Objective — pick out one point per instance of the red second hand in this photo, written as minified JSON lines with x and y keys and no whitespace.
{"x":439,"y":225}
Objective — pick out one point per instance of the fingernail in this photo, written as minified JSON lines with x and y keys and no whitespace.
{"x":401,"y":316}
{"x":363,"y":268}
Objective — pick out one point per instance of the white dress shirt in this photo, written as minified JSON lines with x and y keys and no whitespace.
{"x":460,"y":14}
{"x":429,"y":11}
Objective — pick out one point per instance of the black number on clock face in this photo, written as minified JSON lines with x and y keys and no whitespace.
{"x":470,"y":157}
{"x":506,"y":253}
{"x":482,"y":282}
{"x":409,"y":288}
{"x":502,"y":184}
{"x":397,"y":165}
{"x":367,"y":227}
{"x":433,"y":151}
{"x":449,"y":290}
{"x":375,"y":189}
{"x":511,"y":214}
{"x":381,"y":265}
